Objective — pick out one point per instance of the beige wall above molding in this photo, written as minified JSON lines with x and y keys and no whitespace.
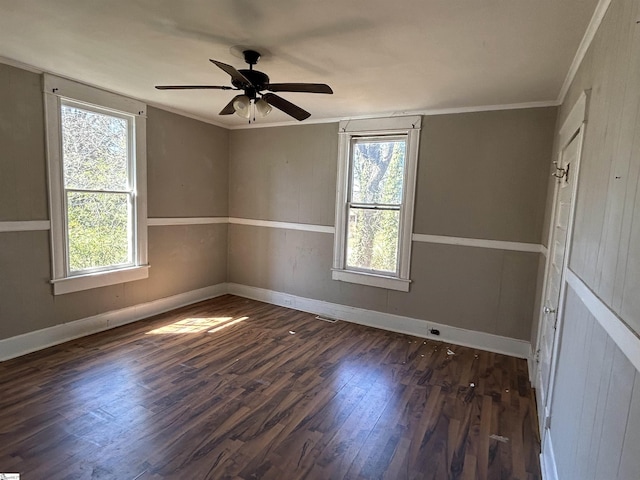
{"x":484,"y":175}
{"x":187,"y":166}
{"x":23,"y":181}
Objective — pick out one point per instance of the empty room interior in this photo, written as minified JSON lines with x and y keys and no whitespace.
{"x":320,"y":240}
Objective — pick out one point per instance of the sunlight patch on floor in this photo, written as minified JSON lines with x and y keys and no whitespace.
{"x":228,"y":324}
{"x":196,"y":325}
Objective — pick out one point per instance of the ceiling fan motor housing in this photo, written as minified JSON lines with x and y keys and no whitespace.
{"x":259,"y":80}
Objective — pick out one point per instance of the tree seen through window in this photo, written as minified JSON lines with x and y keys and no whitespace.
{"x":98,"y":191}
{"x":376,"y":193}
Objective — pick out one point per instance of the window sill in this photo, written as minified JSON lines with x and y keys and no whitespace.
{"x":101,"y":279}
{"x":373,"y":280}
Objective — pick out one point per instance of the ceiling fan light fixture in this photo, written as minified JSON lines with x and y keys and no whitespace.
{"x":242,"y":106}
{"x":262,"y":107}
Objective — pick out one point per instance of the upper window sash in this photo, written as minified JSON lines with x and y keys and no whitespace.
{"x":362,"y":139}
{"x":130,"y":118}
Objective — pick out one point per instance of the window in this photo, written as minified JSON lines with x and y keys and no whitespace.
{"x":96,"y":150}
{"x":374,"y":208}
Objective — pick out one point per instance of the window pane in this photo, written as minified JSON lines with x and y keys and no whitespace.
{"x":378,"y":171}
{"x":372,"y":239}
{"x":98,"y":230}
{"x":94,"y":150}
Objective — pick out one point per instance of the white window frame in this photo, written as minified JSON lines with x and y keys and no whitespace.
{"x":376,"y":127}
{"x":56,"y":91}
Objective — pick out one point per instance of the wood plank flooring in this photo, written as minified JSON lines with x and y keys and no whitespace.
{"x":234,"y":388}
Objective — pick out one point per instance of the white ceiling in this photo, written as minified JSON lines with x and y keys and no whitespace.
{"x":379,"y":56}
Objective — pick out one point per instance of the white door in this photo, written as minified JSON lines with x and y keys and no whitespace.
{"x":561,"y":231}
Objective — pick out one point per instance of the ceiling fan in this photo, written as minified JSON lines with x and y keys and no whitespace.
{"x":254,"y":83}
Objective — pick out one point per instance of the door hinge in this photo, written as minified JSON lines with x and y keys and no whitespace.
{"x":547,"y":422}
{"x":560,"y":172}
{"x":537,"y":356}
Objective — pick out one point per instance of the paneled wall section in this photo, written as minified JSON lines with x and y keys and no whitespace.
{"x":595,"y":425}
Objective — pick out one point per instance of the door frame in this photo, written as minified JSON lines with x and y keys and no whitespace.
{"x":573,"y":128}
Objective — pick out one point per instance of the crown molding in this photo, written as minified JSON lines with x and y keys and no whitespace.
{"x":24,"y":66}
{"x":589,"y":34}
{"x":423,"y":112}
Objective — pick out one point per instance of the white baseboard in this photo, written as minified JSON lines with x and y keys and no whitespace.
{"x":548,"y":459}
{"x":32,"y":341}
{"x":387,"y":321}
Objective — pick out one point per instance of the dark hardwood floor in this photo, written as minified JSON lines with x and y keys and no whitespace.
{"x":234,"y":388}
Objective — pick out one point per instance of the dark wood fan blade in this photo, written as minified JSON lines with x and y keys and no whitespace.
{"x":235,"y":74}
{"x":228,"y":109}
{"x":286,"y":106}
{"x":300,"y":87}
{"x":193,"y":87}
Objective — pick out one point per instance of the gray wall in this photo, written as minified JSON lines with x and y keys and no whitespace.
{"x":286,"y":174}
{"x":484,"y":175}
{"x":188,"y":167}
{"x":23,"y":177}
{"x":480,"y":175}
{"x":596,"y":407}
{"x":187,"y":176}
